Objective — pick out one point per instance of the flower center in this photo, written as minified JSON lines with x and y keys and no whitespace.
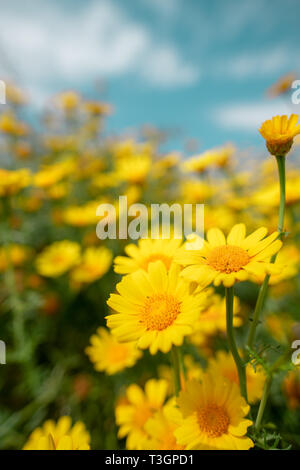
{"x":159,"y":311}
{"x":213,"y":420}
{"x":228,"y":258}
{"x":156,"y":257}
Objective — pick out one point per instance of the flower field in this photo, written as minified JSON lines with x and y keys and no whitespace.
{"x":146,"y":344}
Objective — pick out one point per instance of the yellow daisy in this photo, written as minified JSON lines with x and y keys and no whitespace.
{"x":146,"y":251}
{"x":160,"y":429}
{"x":109,"y":355}
{"x":228,"y":261}
{"x":140,"y":405}
{"x":59,"y":436}
{"x":279,"y":133}
{"x":213,"y":416}
{"x":154,"y":308}
{"x":224,"y":365}
{"x":58,"y":258}
{"x":94,"y":264}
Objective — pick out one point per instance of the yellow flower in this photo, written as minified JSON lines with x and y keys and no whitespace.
{"x":109,"y":355}
{"x":213,"y":318}
{"x":228,"y":261}
{"x":59,"y":436}
{"x":50,"y":175}
{"x":213,"y":416}
{"x":218,"y":157}
{"x":279,"y":133}
{"x":134,"y":169}
{"x":81,"y":216}
{"x":146,"y":251}
{"x":224,"y":365}
{"x":155,"y":308}
{"x":13,"y":254}
{"x":68,"y":100}
{"x":141,"y":404}
{"x":58,"y":258}
{"x":160,"y":429}
{"x":94,"y":264}
{"x":199,"y":163}
{"x":12,"y":181}
{"x":282,"y":85}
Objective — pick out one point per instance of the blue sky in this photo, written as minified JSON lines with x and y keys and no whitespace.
{"x":199,"y":67}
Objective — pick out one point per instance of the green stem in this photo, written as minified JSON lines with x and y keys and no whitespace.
{"x":263,"y":402}
{"x":281,"y":171}
{"x":263,"y":290}
{"x":232,"y":344}
{"x":176,"y":369}
{"x":267,"y":387}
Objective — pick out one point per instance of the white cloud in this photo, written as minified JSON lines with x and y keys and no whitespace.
{"x":99,"y":39}
{"x":165,"y":67}
{"x":256,"y":64}
{"x":248,"y":116}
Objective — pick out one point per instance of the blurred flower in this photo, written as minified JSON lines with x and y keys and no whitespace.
{"x":146,"y":251}
{"x":228,"y":261}
{"x":51,"y":304}
{"x":13,"y":254}
{"x":68,"y":100}
{"x":23,"y":150}
{"x":96,"y":108}
{"x":82,"y":386}
{"x":280,"y":326}
{"x":219,"y":158}
{"x":59,"y":436}
{"x":279,"y":133}
{"x":141,"y":405}
{"x":223,"y":365}
{"x":291,"y":388}
{"x":109,"y":355}
{"x":160,"y":429}
{"x":10,"y":125}
{"x":58,"y":258}
{"x":134,"y":169}
{"x":95,"y":262}
{"x":154,"y":308}
{"x":81,"y":216}
{"x":213,"y":416}
{"x":282,"y":85}
{"x":52,"y":174}
{"x":12,"y":181}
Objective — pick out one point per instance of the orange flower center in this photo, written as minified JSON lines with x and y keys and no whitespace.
{"x":156,"y":257}
{"x":159,"y":311}
{"x":228,"y":258}
{"x":213,"y":420}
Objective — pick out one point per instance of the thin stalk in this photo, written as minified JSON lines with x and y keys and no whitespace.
{"x":232,"y":344}
{"x":263,"y":290}
{"x":263,"y":402}
{"x":267,"y":387}
{"x":176,"y":369}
